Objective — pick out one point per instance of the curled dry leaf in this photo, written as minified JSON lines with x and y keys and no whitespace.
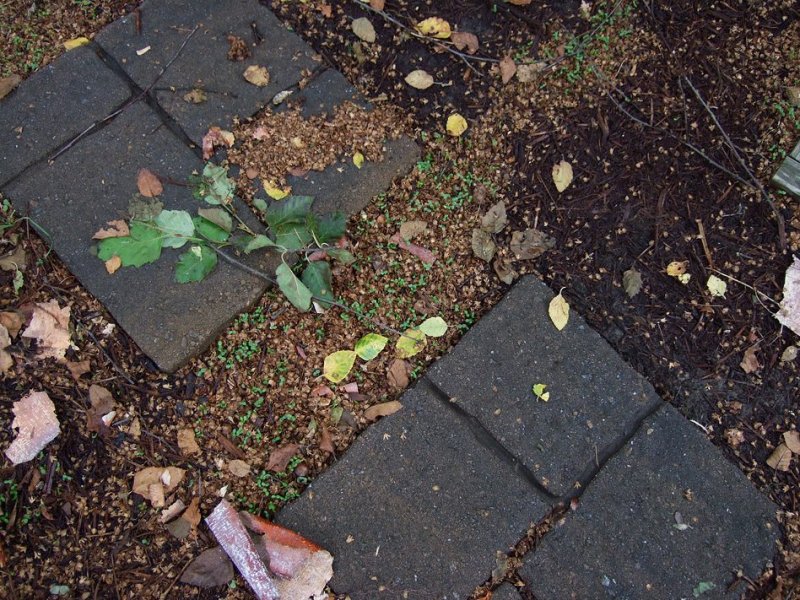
{"x":148,"y":183}
{"x":216,"y":137}
{"x":169,"y":477}
{"x":419,"y":79}
{"x":504,"y":270}
{"x":187,"y":443}
{"x":750,"y":362}
{"x":113,"y":264}
{"x":530,"y":244}
{"x":364,"y":30}
{"x":7,"y":84}
{"x":382,"y":410}
{"x":434,"y":27}
{"x":562,"y":175}
{"x":789,"y":354}
{"x":6,"y":361}
{"x":257,"y":75}
{"x":172,"y":511}
{"x":15,"y":260}
{"x":632,"y":282}
{"x":792,"y":441}
{"x":13,"y":321}
{"x":239,"y":468}
{"x":559,"y":311}
{"x":326,"y":441}
{"x":279,"y":458}
{"x":398,"y":374}
{"x":483,"y":245}
{"x":377,"y":4}
{"x":781,"y":458}
{"x":212,"y":568}
{"x":716,"y":286}
{"x":507,"y":69}
{"x":37,"y":425}
{"x":195,"y":96}
{"x":102,"y":403}
{"x":49,"y":326}
{"x":788,"y":313}
{"x":495,"y":218}
{"x":463,"y":40}
{"x":116,"y":228}
{"x":76,"y":369}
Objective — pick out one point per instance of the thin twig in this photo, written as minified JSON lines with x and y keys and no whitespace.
{"x":743,"y":163}
{"x":702,"y":235}
{"x":748,"y":286}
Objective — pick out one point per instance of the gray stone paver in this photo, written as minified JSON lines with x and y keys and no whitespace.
{"x":203,"y":63}
{"x":506,"y":592}
{"x":82,"y":89}
{"x":594,"y":395}
{"x":416,"y":506}
{"x":622,"y":541}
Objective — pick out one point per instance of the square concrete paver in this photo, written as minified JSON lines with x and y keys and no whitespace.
{"x":595,"y":396}
{"x":623,"y":541}
{"x":203,"y":63}
{"x":416,"y":508}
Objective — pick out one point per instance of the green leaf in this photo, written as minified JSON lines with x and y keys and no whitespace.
{"x":142,"y":246}
{"x":292,"y":211}
{"x":330,"y":227}
{"x":292,"y":237}
{"x":260,"y":204}
{"x":218,"y":216}
{"x":703,"y":587}
{"x":434,"y":327}
{"x":195,"y":264}
{"x":258,"y":241}
{"x":338,"y":364}
{"x":410,"y":343}
{"x":369,"y":346}
{"x":176,"y":226}
{"x":217,"y":187}
{"x":294,"y":289}
{"x":342,"y":255}
{"x":317,"y":277}
{"x":209,"y":231}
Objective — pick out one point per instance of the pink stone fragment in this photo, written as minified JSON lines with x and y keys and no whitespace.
{"x":231,"y":534}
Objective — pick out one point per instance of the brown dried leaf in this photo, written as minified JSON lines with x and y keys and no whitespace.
{"x":76,"y":369}
{"x":7,"y":84}
{"x":170,"y":478}
{"x":117,"y":228}
{"x":102,"y":403}
{"x":113,"y":264}
{"x":377,"y":4}
{"x":519,"y":2}
{"x":6,"y":361}
{"x":364,"y":30}
{"x":326,"y":442}
{"x":529,"y":72}
{"x":192,"y":514}
{"x":383,"y":409}
{"x":239,"y":468}
{"x":172,"y":511}
{"x":195,"y":96}
{"x":397,"y":374}
{"x":13,"y":260}
{"x":216,"y":137}
{"x":13,"y":321}
{"x":279,"y":458}
{"x":37,"y":424}
{"x":495,"y":218}
{"x":530,"y":244}
{"x":148,"y":183}
{"x":423,"y":254}
{"x":257,"y":75}
{"x":750,"y":362}
{"x":507,"y":68}
{"x":483,"y":245}
{"x":212,"y":568}
{"x":187,"y":442}
{"x":781,"y":458}
{"x":411,"y":229}
{"x":49,"y":326}
{"x":792,"y":441}
{"x":505,"y":272}
{"x":465,"y":40}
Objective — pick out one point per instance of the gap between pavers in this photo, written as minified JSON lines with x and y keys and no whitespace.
{"x":627,"y":529}
{"x":416,"y":508}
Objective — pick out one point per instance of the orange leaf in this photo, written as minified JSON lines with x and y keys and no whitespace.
{"x":117,"y":228}
{"x":148,"y":183}
{"x":382,"y":410}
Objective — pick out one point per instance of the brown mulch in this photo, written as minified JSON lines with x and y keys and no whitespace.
{"x":641,"y":199}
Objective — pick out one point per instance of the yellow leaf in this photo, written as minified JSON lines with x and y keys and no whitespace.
{"x":358,"y":159}
{"x":76,"y":43}
{"x":434,"y":27}
{"x":419,"y":79}
{"x":559,"y":311}
{"x":410,"y":343}
{"x":456,"y":124}
{"x":257,"y":75}
{"x":677,"y":268}
{"x":716,"y":286}
{"x":274,"y":192}
{"x":338,"y":364}
{"x":562,"y":175}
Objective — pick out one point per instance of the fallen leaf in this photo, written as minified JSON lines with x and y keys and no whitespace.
{"x":507,"y":70}
{"x":169,"y":477}
{"x":49,"y":326}
{"x":530,"y":244}
{"x":423,"y":254}
{"x":504,"y":271}
{"x":326,"y":10}
{"x":632,"y":282}
{"x":280,"y":457}
{"x":411,"y":229}
{"x":789,"y":354}
{"x":237,"y":49}
{"x":529,"y":72}
{"x":216,"y":137}
{"x":495,"y":218}
{"x":148,"y":183}
{"x":257,"y":75}
{"x":562,"y":175}
{"x":275,"y":192}
{"x":337,"y":365}
{"x":135,"y":429}
{"x":326,"y":442}
{"x":464,"y":40}
{"x":187,"y":442}
{"x":559,"y":311}
{"x":13,"y":321}
{"x":781,"y":458}
{"x":519,"y":2}
{"x":322,"y":391}
{"x":14,"y":260}
{"x":456,"y":125}
{"x":383,"y":409}
{"x":76,"y":43}
{"x":677,"y":268}
{"x":195,"y":96}
{"x":434,"y":27}
{"x":483,"y":245}
{"x":116,"y":228}
{"x":37,"y":425}
{"x":539,"y":391}
{"x":7,"y":84}
{"x":364,"y":30}
{"x":212,"y":568}
{"x":792,"y":441}
{"x":239,"y":468}
{"x":750,"y":362}
{"x":419,"y":79}
{"x":788,"y":313}
{"x":398,"y":374}
{"x":716,"y":286}
{"x":113,"y":264}
{"x":433,"y":327}
{"x":358,"y":160}
{"x":226,"y":525}
{"x":410,"y":343}
{"x":76,"y":369}
{"x":102,"y":403}
{"x":6,"y":360}
{"x":367,"y":348}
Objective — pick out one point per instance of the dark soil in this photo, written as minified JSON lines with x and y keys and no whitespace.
{"x":641,"y":199}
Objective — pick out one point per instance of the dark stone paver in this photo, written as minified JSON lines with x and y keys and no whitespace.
{"x":506,"y":592}
{"x":203,"y":62}
{"x":327,"y":90}
{"x":416,"y":506}
{"x":622,"y":542}
{"x":94,"y":183}
{"x":53,"y":106}
{"x":594,"y":395}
